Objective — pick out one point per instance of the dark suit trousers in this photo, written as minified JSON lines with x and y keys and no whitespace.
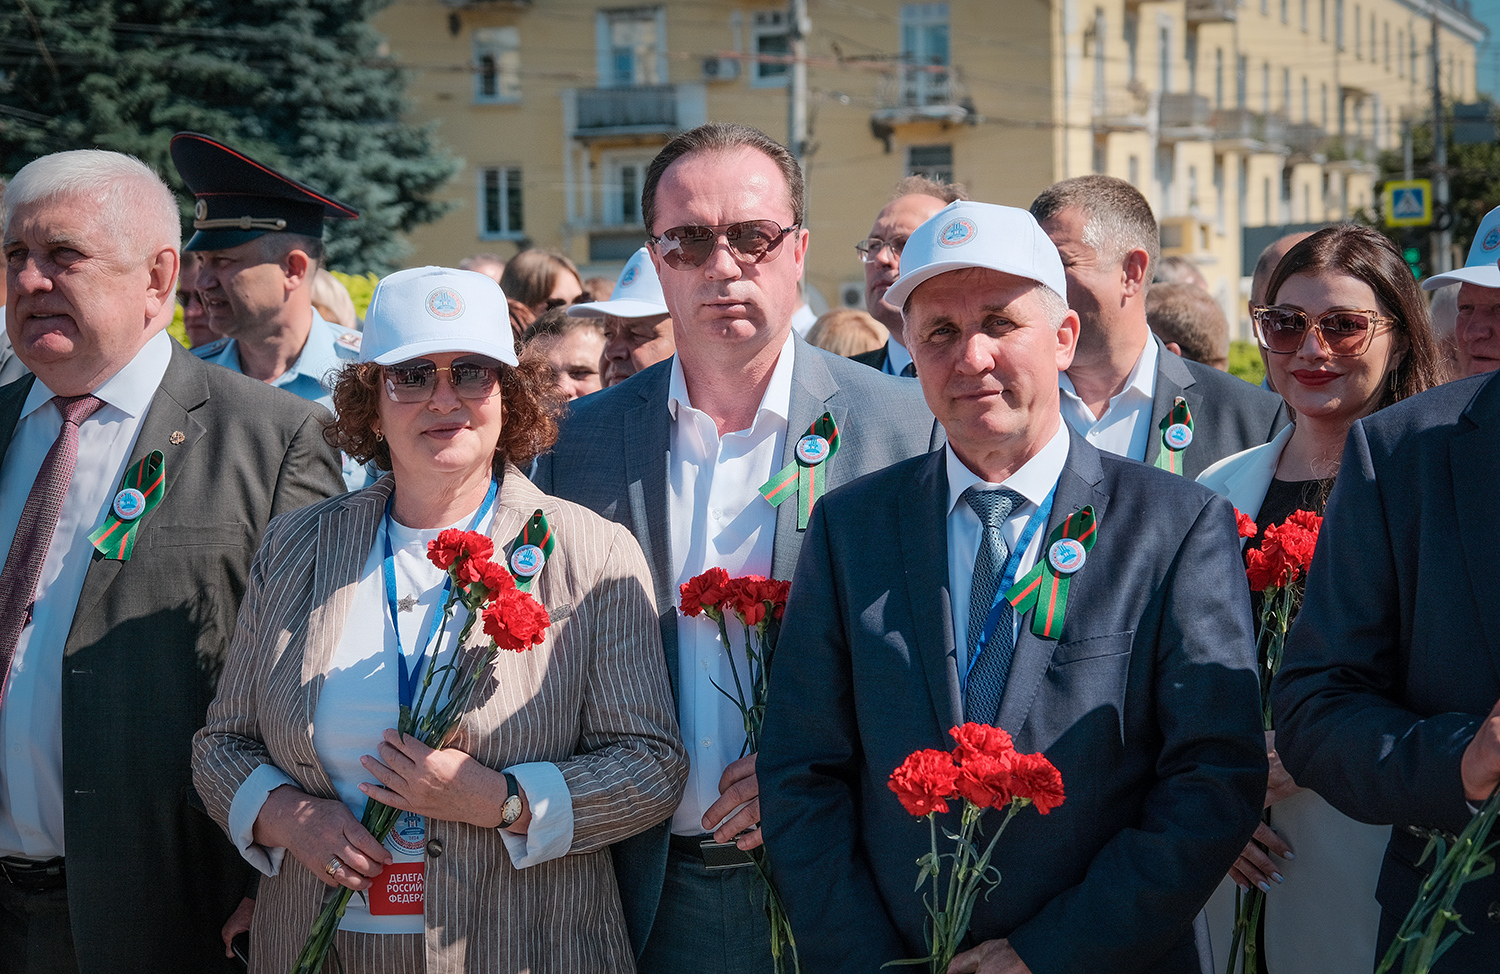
{"x":35,"y":936}
{"x":708,"y":922}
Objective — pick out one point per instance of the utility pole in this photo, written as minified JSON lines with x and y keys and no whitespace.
{"x":798,"y":26}
{"x":1442,"y":237}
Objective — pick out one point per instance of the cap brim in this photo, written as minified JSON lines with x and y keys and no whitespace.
{"x":1485,"y":275}
{"x":621,"y":308}
{"x":898,"y":292}
{"x":438,"y":346}
{"x":205,"y":240}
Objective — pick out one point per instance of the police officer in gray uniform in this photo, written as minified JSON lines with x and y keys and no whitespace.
{"x":261,"y":237}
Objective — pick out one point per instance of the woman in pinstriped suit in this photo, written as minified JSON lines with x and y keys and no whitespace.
{"x":499,"y":862}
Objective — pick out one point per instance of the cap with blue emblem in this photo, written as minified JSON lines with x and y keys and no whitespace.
{"x":986,"y":235}
{"x":1481,"y":268}
{"x":637,"y":293}
{"x":239,"y":199}
{"x":430,"y":310}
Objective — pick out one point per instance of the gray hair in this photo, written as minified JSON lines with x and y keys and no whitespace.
{"x":1444,"y":311}
{"x":137,"y":207}
{"x":922,"y":186}
{"x":1054,"y":306}
{"x":1117,"y":218}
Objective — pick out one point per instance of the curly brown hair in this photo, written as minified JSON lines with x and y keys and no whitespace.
{"x":529,"y":408}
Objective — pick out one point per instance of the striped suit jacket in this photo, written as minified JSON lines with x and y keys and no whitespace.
{"x":592,"y":698}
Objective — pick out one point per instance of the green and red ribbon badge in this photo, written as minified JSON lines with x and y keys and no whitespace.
{"x":1176,"y":435}
{"x":140,"y":490}
{"x":530,"y":550}
{"x":805,"y":477}
{"x":1046,"y":585}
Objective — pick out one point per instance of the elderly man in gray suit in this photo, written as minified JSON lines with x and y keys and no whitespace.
{"x":1139,"y":684}
{"x":1125,"y":391}
{"x":679,"y":453}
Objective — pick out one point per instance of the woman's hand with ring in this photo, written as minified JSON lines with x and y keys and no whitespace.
{"x":447,"y":784}
{"x":323,"y":835}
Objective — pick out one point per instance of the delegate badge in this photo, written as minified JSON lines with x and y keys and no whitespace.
{"x":812,"y":449}
{"x":1066,"y":556}
{"x":129,"y":504}
{"x":398,"y":890}
{"x":1179,"y":436}
{"x":527,"y":560}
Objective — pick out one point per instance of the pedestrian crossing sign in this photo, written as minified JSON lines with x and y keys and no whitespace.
{"x":1408,"y":203}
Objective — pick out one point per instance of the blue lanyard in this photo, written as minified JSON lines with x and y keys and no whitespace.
{"x":407,"y":680}
{"x":1009,"y":578}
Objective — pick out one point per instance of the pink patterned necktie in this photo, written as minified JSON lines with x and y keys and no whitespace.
{"x":28,"y":550}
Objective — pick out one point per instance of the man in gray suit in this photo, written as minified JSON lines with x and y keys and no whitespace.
{"x":1121,"y":390}
{"x":679,"y":453}
{"x":1142,"y":690}
{"x":134,"y":487}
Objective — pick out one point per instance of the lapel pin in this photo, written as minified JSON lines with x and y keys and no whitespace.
{"x":177,"y":437}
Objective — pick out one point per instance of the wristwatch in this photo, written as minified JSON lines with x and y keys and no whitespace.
{"x":511,"y":810}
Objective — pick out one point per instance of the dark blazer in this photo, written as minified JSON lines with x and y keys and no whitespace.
{"x":1229,"y":414}
{"x":875,"y":358}
{"x":612,"y":457}
{"x":1394,"y":660}
{"x":151,"y":879}
{"x":1148,"y":704}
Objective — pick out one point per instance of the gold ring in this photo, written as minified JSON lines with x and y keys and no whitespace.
{"x":333,"y":866}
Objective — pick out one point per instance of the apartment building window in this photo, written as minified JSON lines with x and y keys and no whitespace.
{"x":624,"y":175}
{"x":769,"y":35}
{"x":1266,"y":194}
{"x":1164,"y":59}
{"x":631,"y":47}
{"x":1284,"y":11}
{"x":1411,"y":51}
{"x":1400,"y":54}
{"x":1322,"y":20}
{"x":1241,"y":81}
{"x":1131,"y":32}
{"x":1385,"y":43}
{"x":497,"y":62}
{"x":1164,"y":172}
{"x":924,"y":52}
{"x":1265,"y":8}
{"x":1302,"y":14}
{"x":1218,"y":77}
{"x":933,"y":161}
{"x":1324,"y":94}
{"x":1286,"y":91}
{"x":500,"y":210}
{"x":1306,"y":102}
{"x":1359,"y":48}
{"x":1265,"y":88}
{"x":1133,"y":171}
{"x":1338,"y":24}
{"x":1190,"y":54}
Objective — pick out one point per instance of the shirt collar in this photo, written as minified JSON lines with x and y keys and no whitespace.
{"x":1141,"y":381}
{"x":778,"y":396}
{"x":131,"y":389}
{"x":318,"y":356}
{"x":1034,"y":481}
{"x":896,"y":356}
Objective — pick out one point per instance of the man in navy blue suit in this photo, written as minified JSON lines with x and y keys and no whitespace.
{"x":1143,"y":692}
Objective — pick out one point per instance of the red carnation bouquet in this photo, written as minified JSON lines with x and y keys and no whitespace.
{"x":985,"y":771}
{"x":758,"y":603}
{"x":1278,"y":570}
{"x":512,"y":619}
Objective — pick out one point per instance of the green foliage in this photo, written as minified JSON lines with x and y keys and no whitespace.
{"x":361,"y":289}
{"x":1245,"y":362}
{"x":1473,"y":187}
{"x":298,"y":84}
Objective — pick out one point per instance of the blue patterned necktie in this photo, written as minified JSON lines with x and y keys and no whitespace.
{"x":988,"y":672}
{"x":910,"y":372}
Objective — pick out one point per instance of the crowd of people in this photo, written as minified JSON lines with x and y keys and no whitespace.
{"x":217,"y":596}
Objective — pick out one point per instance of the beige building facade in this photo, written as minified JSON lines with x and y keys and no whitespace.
{"x":1228,"y":116}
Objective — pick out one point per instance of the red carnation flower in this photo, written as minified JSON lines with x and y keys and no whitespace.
{"x":981,"y":739}
{"x":924,"y":781}
{"x":743,"y":598}
{"x":985,"y":779}
{"x":1245,"y":523}
{"x":453,"y":545}
{"x":495,"y":578}
{"x":515,"y":621}
{"x":705,"y":591}
{"x":1036,"y":778}
{"x":1263,"y":568}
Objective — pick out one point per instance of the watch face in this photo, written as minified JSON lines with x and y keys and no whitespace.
{"x":511,"y":810}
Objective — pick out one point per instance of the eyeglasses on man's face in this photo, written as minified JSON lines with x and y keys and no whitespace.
{"x":750,"y":241}
{"x":870,"y":249}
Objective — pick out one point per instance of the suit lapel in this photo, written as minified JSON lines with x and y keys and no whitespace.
{"x":812,"y":388}
{"x":648,"y":447}
{"x":923,"y":544}
{"x":1077,"y":488}
{"x":1172,"y":380}
{"x":1476,"y":469}
{"x":12,"y":399}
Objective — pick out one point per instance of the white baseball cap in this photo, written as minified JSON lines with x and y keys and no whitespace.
{"x":429,"y":310}
{"x":637,"y":293}
{"x":1481,"y":267}
{"x":969,"y":234}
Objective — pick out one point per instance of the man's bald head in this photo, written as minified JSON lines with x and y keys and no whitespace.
{"x":1269,"y":258}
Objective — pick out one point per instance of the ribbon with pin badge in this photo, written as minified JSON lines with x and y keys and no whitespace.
{"x":530,"y":550}
{"x":140,"y":491}
{"x":805,"y":477}
{"x":1046,"y":585}
{"x":1176,"y":436}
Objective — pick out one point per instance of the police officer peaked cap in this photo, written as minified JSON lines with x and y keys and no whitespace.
{"x":239,"y":199}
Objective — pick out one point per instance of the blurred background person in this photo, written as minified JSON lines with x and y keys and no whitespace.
{"x":637,"y":326}
{"x":11,"y":368}
{"x":1476,"y":333}
{"x":572,"y":347}
{"x":488,"y":264}
{"x":1266,"y":263}
{"x":848,"y":332}
{"x":1343,"y":334}
{"x":331,"y":300}
{"x":1189,"y":323}
{"x":1444,"y":314}
{"x":597,"y":289}
{"x":535,"y":280}
{"x":1178,"y":270}
{"x":194,"y":311}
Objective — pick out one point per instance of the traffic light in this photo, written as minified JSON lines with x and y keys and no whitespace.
{"x":1413,"y":256}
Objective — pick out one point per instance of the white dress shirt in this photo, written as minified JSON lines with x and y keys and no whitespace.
{"x":897,"y":358}
{"x":360,"y":700}
{"x":719,"y":519}
{"x":1125,"y":427}
{"x":1034,"y":481}
{"x":31,"y":790}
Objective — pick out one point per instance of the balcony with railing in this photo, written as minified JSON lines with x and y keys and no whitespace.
{"x":1125,"y":109}
{"x":1242,"y":129}
{"x":921,"y":93}
{"x":1210,"y":11}
{"x":592,"y":113}
{"x":1184,"y":117}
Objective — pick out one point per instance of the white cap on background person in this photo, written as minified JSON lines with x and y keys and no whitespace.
{"x":1481,"y":267}
{"x":637,"y":293}
{"x":969,"y":234}
{"x":431,"y":310}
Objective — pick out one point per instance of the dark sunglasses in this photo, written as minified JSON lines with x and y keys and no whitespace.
{"x":751,"y":242}
{"x":416,"y":381}
{"x":1343,"y":333}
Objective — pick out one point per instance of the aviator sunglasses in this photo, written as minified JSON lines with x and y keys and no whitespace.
{"x":751,"y":242}
{"x":1344,"y":334}
{"x":416,"y":381}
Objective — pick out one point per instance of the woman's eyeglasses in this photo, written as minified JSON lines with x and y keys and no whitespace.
{"x":751,"y":242}
{"x":1344,"y":334}
{"x":416,"y":382}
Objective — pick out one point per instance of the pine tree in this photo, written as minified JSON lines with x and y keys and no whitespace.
{"x":298,"y":84}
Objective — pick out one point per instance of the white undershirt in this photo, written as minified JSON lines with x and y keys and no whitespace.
{"x":718,"y":519}
{"x":1125,"y":427}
